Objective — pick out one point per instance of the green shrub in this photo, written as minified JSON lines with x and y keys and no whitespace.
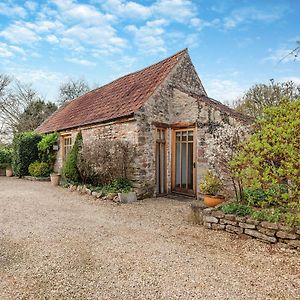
{"x":45,"y":147}
{"x":70,"y":169}
{"x":5,"y":156}
{"x":270,"y":157}
{"x":237,"y":209}
{"x":39,"y":169}
{"x":265,"y":197}
{"x":270,"y":215}
{"x":25,"y":152}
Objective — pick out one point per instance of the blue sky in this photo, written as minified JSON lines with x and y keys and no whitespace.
{"x":233,"y":43}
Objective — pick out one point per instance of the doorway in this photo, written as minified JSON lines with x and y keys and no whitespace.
{"x":183,"y":161}
{"x":161,"y":169}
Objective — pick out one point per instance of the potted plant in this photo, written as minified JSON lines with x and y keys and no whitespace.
{"x":55,"y":178}
{"x":211,"y":187}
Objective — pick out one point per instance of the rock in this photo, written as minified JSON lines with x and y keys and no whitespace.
{"x":116,"y":199}
{"x":230,"y":217}
{"x":240,"y":219}
{"x":269,"y":225}
{"x":72,"y":188}
{"x":294,"y":243}
{"x":234,"y":229}
{"x":260,"y":236}
{"x":196,"y":214}
{"x":110,"y":196}
{"x":218,"y":214}
{"x":207,"y":225}
{"x":269,"y":232}
{"x":88,"y":191}
{"x":286,"y":228}
{"x":246,"y":225}
{"x":217,"y":226}
{"x":224,"y":221}
{"x":286,"y":235}
{"x":210,"y":219}
{"x":127,"y":197}
{"x":252,"y":221}
{"x":208,"y":211}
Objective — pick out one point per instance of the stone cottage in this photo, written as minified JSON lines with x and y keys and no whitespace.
{"x":163,"y":110}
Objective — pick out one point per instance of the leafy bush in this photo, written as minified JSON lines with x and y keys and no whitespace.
{"x":103,"y":161}
{"x":237,"y":209}
{"x":39,"y":169}
{"x":270,"y":215}
{"x":270,"y":157}
{"x":70,"y":169}
{"x":211,"y":184}
{"x":45,"y":147}
{"x":25,"y":152}
{"x":264,"y":197}
{"x":5,"y":156}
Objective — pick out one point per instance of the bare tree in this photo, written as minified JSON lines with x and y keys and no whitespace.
{"x":21,"y":108}
{"x":261,"y":96}
{"x":294,"y":53}
{"x":72,"y":89}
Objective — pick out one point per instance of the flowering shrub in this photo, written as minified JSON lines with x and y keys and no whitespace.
{"x":221,"y":148}
{"x":39,"y":169}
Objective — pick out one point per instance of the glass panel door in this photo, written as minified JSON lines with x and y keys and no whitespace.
{"x":183,"y":157}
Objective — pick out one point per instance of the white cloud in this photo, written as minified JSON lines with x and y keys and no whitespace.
{"x":224,"y":90}
{"x":12,"y":10}
{"x":31,"y":5}
{"x":127,"y":9}
{"x":52,"y":39}
{"x":182,"y":11}
{"x":149,"y":38}
{"x":82,"y":62}
{"x":251,"y":14}
{"x":19,"y":34}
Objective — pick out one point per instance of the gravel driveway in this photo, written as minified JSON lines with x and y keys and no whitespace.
{"x":56,"y":244}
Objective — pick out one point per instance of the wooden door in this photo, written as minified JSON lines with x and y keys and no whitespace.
{"x":161,"y":169}
{"x":183,"y":161}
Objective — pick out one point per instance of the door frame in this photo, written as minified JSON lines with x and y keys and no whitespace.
{"x":157,"y":172}
{"x":175,"y":129}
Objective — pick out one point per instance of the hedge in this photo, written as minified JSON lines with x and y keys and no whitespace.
{"x":25,"y":152}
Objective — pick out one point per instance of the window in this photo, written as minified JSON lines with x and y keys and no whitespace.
{"x":67,"y":145}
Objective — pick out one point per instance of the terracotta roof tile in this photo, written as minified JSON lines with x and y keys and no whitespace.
{"x":116,"y":99}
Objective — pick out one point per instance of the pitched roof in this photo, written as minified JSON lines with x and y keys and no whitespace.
{"x":117,"y":99}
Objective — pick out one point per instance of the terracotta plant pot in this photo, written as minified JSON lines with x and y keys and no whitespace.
{"x":212,"y":201}
{"x":9,"y":172}
{"x":55,"y":179}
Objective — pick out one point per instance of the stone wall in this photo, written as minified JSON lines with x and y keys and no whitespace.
{"x":171,"y":104}
{"x":285,"y":236}
{"x":119,"y":130}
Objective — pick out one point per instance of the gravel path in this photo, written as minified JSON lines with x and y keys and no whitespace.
{"x":56,"y":244}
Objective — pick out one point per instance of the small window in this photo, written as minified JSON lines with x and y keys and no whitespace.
{"x":67,"y":140}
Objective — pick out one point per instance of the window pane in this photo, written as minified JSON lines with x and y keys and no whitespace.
{"x":183,"y":165}
{"x":177,"y":136}
{"x":183,"y":135}
{"x":190,"y":166}
{"x":177,"y":165}
{"x":190,"y":135}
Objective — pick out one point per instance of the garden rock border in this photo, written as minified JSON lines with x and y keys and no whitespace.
{"x":32,"y":178}
{"x":115,"y":197}
{"x":213,"y":218}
